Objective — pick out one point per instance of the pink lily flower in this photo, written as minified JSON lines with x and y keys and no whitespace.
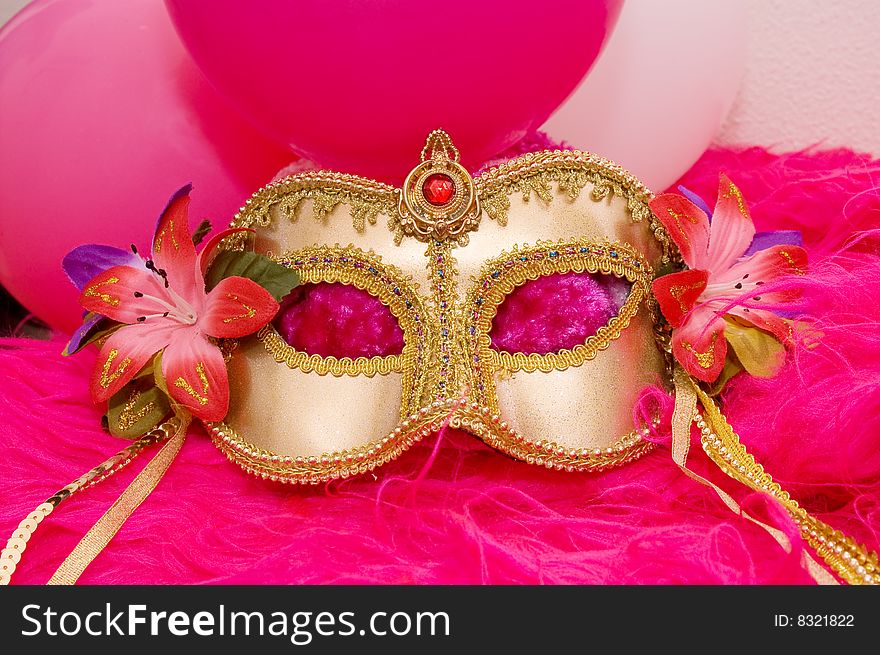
{"x":164,"y":307}
{"x":720,"y":281}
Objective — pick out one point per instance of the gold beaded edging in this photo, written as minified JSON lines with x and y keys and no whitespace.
{"x":330,"y":466}
{"x":428,"y":420}
{"x":547,"y":453}
{"x":11,"y":555}
{"x":853,"y":562}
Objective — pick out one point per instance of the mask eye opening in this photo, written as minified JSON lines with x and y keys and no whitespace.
{"x":557,"y":311}
{"x":502,"y":276}
{"x":332,"y":319}
{"x":322,"y":268}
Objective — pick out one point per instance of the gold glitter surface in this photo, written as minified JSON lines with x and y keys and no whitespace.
{"x":291,"y":412}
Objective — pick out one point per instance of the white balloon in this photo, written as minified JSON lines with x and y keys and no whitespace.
{"x":659,"y":92}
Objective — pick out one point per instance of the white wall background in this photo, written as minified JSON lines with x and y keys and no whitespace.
{"x":812,"y":74}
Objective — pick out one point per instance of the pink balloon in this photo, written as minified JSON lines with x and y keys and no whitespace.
{"x":357,"y":86}
{"x":661,"y":89}
{"x":104,"y":115}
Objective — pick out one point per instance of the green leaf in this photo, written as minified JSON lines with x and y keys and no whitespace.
{"x":201,"y":232}
{"x":667,"y":268}
{"x":158,"y":376}
{"x":278,"y":280}
{"x":136,"y":409}
{"x":759,"y":352}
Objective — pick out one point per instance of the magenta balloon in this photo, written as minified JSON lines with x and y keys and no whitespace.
{"x":102,"y":116}
{"x":357,"y":85}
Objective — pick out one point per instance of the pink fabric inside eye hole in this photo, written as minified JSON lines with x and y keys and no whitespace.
{"x":338,"y":320}
{"x":556,"y":311}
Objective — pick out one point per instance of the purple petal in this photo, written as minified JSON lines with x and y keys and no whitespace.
{"x":82,"y":332}
{"x":182,"y":191}
{"x":85,"y":262}
{"x":697,"y":200}
{"x":764,"y":240}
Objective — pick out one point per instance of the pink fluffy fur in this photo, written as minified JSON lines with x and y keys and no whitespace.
{"x":451,"y":510}
{"x":556,"y":311}
{"x":338,"y":320}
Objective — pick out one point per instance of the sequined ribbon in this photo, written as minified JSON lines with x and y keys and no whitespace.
{"x":851,"y":561}
{"x":173,"y":431}
{"x":108,"y":525}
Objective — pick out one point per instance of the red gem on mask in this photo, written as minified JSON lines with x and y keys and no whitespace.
{"x":438,"y":189}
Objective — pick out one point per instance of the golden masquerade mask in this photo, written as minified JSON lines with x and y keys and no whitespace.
{"x":449,"y":251}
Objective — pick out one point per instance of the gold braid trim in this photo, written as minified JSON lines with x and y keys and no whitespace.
{"x":365,"y":271}
{"x":501,"y":275}
{"x":327,"y":189}
{"x":571,"y":170}
{"x":546,"y":258}
{"x":283,"y":353}
{"x":533,"y":173}
{"x":853,"y":562}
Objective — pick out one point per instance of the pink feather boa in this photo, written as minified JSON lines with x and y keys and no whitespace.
{"x":454,"y":511}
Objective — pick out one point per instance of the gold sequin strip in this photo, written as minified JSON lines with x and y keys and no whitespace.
{"x":15,"y":547}
{"x":503,"y":274}
{"x":853,"y":562}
